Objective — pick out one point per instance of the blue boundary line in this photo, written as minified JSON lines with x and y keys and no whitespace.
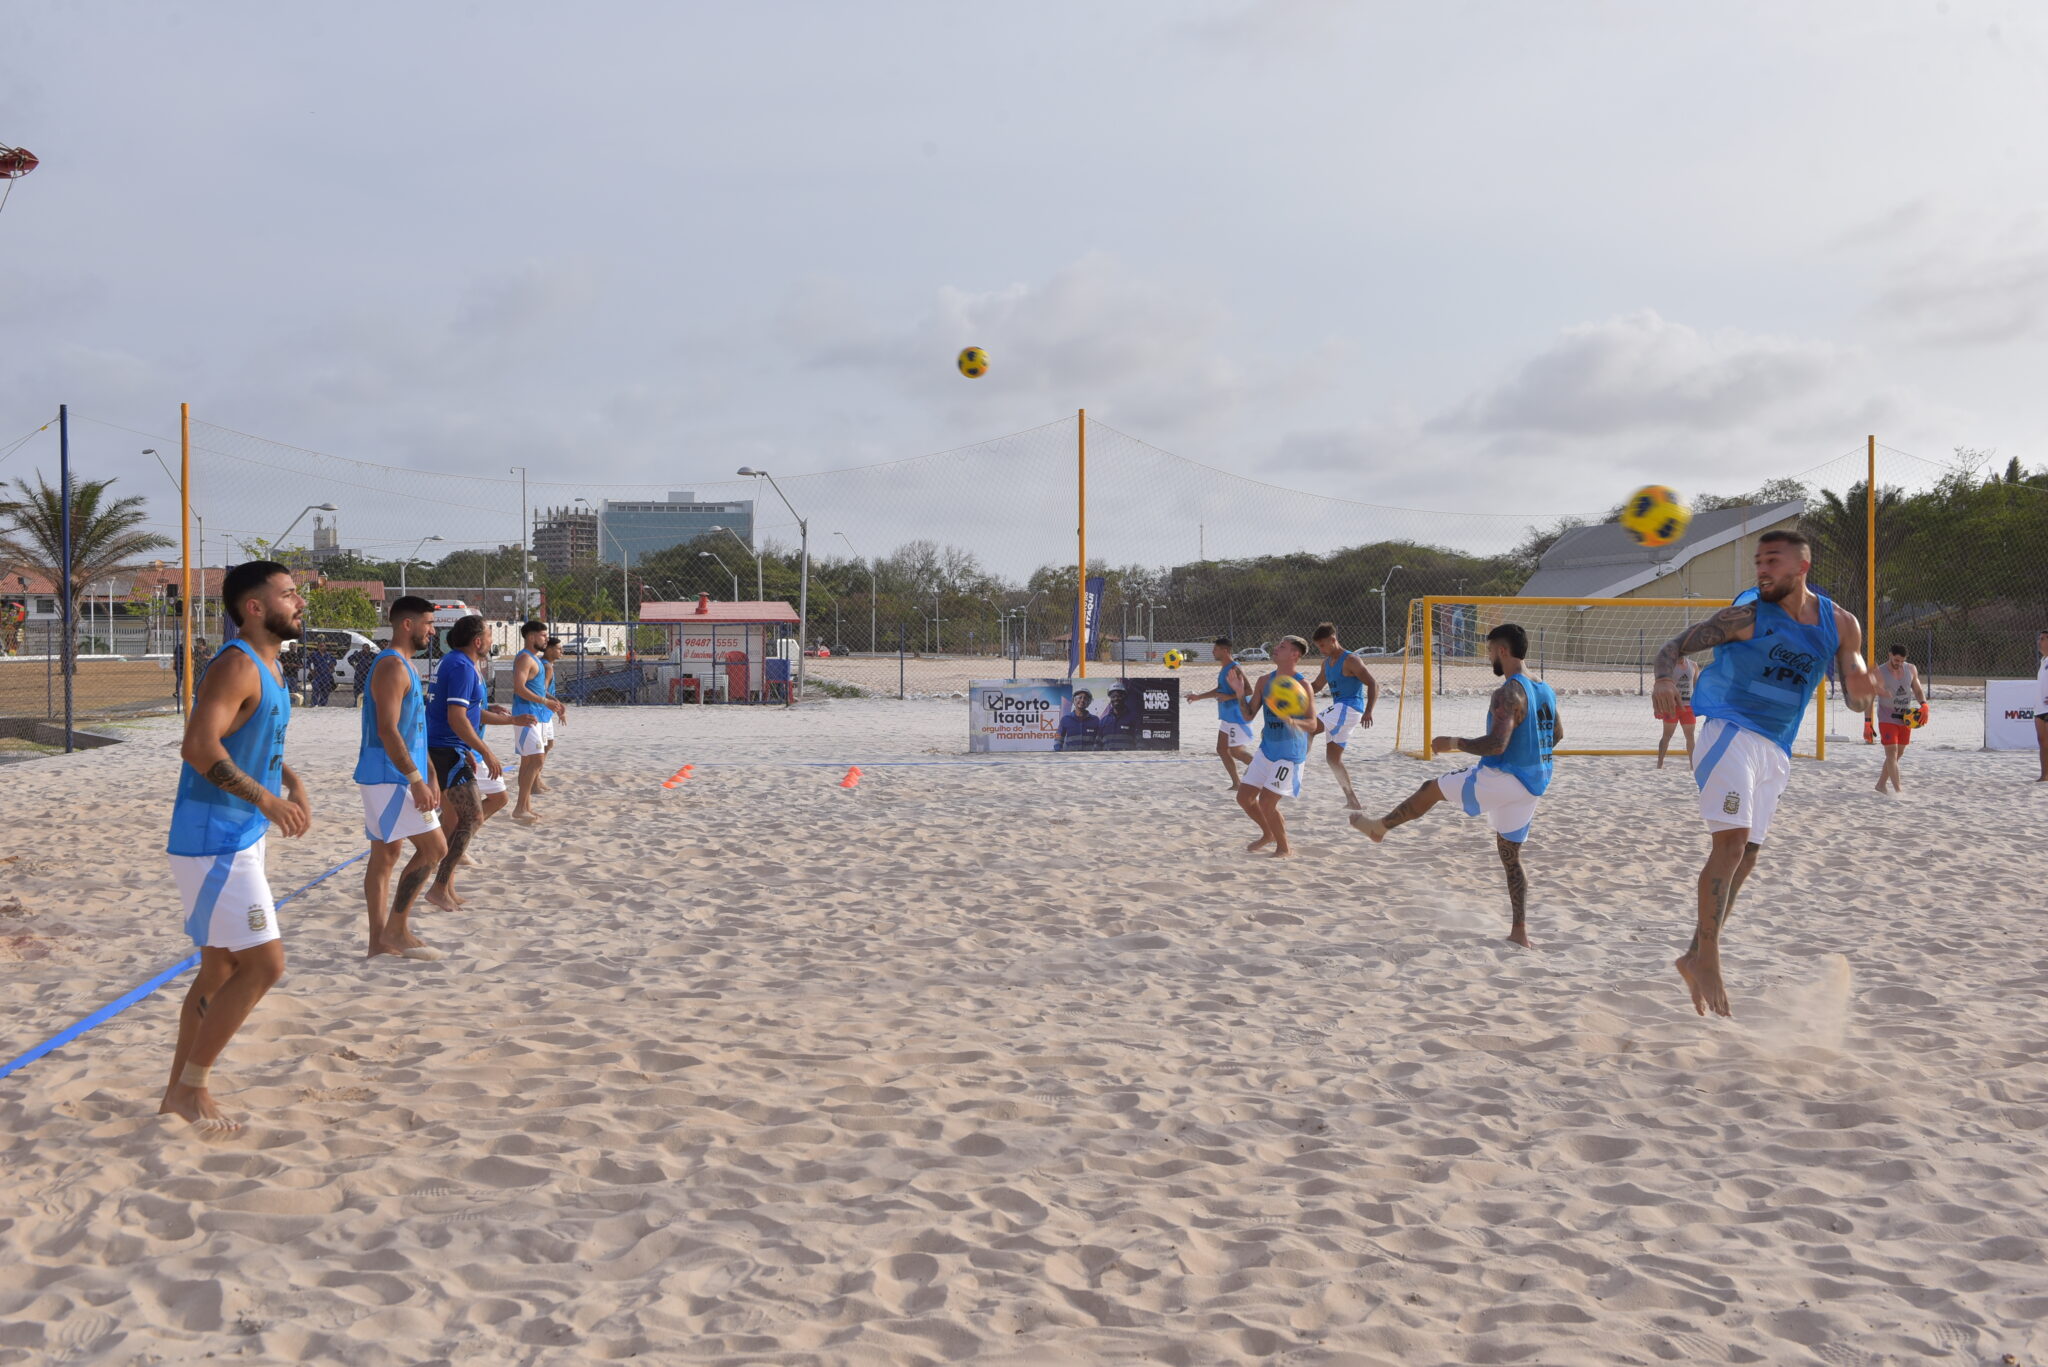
{"x":134,"y":995}
{"x":917,"y":763}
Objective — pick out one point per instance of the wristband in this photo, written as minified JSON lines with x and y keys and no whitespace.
{"x":414,"y":777}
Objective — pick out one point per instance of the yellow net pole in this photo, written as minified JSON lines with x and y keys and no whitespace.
{"x":1428,"y":663}
{"x":185,"y":536}
{"x":1401,"y":698}
{"x":1081,"y":587}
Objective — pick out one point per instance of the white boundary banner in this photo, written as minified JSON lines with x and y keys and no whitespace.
{"x":2009,"y":706}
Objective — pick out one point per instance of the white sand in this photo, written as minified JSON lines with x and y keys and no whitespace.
{"x":1026,"y":1063}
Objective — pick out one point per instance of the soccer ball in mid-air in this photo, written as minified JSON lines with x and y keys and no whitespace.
{"x":973,"y":363}
{"x":1655,"y":516}
{"x":1287,"y":698}
{"x":1173,"y":659}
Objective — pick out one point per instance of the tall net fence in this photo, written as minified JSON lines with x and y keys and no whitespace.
{"x":932,"y":571}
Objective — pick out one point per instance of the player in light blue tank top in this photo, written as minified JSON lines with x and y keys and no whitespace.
{"x":530,"y":699}
{"x":233,"y":790}
{"x":1233,"y":736}
{"x":1275,"y":772}
{"x":395,"y":778}
{"x":1772,"y":650}
{"x":1513,"y":772}
{"x":373,"y":764}
{"x":1353,"y":695}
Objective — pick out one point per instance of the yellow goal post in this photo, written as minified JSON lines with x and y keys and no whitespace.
{"x":1599,"y":654}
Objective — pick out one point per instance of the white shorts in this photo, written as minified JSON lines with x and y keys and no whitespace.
{"x":1339,"y":720}
{"x":1238,"y":734}
{"x":485,"y":784}
{"x":389,"y":813}
{"x":1494,"y":794}
{"x":227,"y":899}
{"x":1282,"y":776}
{"x":1741,"y":776}
{"x":532,"y":740}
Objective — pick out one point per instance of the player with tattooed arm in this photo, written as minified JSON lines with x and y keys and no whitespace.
{"x":233,"y":788}
{"x":1772,"y":648}
{"x":1522,"y":729}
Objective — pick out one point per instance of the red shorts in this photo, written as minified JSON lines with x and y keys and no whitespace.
{"x":1683,"y":716}
{"x":1894,"y":733}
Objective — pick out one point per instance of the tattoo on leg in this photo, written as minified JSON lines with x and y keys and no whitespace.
{"x":1411,"y":807}
{"x":1518,"y":882}
{"x":200,"y":1007}
{"x":409,"y":884}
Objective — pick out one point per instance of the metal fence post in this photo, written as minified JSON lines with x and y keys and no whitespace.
{"x":902,"y":691}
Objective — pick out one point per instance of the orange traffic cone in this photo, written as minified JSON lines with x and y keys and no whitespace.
{"x":852,"y":779}
{"x":675,"y":780}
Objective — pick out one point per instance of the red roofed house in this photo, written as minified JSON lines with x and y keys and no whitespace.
{"x":723,"y":649}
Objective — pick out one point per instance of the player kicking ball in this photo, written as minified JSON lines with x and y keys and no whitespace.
{"x":1772,"y":647}
{"x":1522,"y":730}
{"x":1275,"y":771}
{"x":1354,"y":693}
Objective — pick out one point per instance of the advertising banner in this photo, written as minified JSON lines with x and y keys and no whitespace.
{"x":1074,"y":716}
{"x":2009,"y":706}
{"x":1094,"y":625}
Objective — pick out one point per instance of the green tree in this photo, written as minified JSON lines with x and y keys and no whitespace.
{"x":105,"y":535}
{"x":348,"y":609}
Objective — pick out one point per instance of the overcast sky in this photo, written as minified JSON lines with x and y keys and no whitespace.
{"x":1504,"y":257}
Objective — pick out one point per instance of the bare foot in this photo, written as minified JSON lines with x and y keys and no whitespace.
{"x":196,"y":1104}
{"x":465,"y":863}
{"x":526,"y":818}
{"x":540,"y":785}
{"x":1258,"y":844}
{"x":1520,"y":936}
{"x":1283,"y":852}
{"x":442,"y":898}
{"x":1376,"y":831}
{"x":1703,"y":979}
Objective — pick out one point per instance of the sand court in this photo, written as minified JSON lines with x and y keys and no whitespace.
{"x":1027,"y":1062}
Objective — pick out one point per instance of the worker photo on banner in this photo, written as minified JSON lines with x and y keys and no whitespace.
{"x":1074,"y":716}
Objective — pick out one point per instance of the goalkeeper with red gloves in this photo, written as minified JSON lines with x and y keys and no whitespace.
{"x":1901,"y":708}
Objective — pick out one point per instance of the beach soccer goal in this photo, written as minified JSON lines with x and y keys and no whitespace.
{"x":1599,"y":654}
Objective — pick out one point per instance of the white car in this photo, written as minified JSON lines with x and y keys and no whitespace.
{"x":341,"y":644}
{"x":585,"y":645}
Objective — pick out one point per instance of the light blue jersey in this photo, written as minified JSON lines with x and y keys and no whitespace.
{"x":204,"y":819}
{"x":1527,"y":758}
{"x":373,"y":765}
{"x":1764,"y":684}
{"x":539,"y":684}
{"x":1280,"y":740}
{"x":1344,"y":688}
{"x":1227,"y":706}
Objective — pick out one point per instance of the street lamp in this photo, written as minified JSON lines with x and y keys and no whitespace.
{"x":707,"y":555}
{"x":406,"y":563}
{"x":873,"y":594}
{"x":750,"y":551}
{"x":1382,"y":592}
{"x":309,"y":508}
{"x":803,"y":592}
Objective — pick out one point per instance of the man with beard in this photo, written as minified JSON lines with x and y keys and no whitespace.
{"x":395,"y":778}
{"x":1772,"y":647}
{"x":1513,"y":770}
{"x":471,"y":779}
{"x":234,"y":787}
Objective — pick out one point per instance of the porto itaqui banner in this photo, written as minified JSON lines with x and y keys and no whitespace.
{"x":1074,"y":716}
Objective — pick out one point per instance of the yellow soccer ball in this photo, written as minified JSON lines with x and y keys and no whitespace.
{"x":1916,"y":717}
{"x":1173,"y":659}
{"x":973,"y":363}
{"x":1655,"y":516}
{"x":1287,"y":698}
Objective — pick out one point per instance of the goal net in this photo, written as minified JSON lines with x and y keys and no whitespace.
{"x":1598,"y":653}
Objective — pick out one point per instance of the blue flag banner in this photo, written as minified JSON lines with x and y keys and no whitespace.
{"x":1094,"y":625}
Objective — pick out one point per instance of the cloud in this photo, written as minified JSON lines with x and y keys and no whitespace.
{"x":1975,"y":294}
{"x":1641,"y":372}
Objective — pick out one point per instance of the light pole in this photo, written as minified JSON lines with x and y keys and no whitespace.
{"x":309,"y":508}
{"x":803,"y":592}
{"x":406,"y":563}
{"x":1026,"y":611}
{"x":707,"y":555}
{"x":1382,"y":592}
{"x":758,"y":594}
{"x":525,"y":527}
{"x":873,"y":595}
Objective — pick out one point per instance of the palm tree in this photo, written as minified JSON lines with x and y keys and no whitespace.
{"x":104,"y":538}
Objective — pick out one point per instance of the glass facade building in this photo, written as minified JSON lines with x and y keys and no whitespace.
{"x":636,"y":529}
